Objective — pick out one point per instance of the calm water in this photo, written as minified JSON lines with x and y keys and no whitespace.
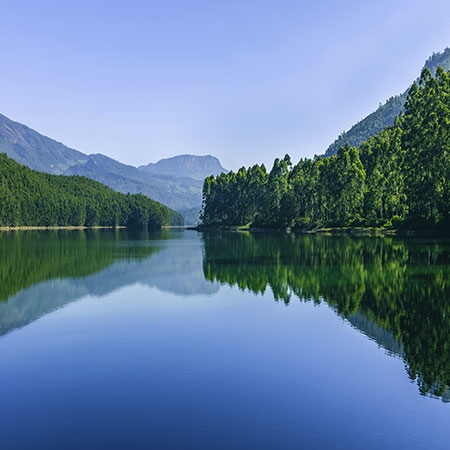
{"x":181,"y":340}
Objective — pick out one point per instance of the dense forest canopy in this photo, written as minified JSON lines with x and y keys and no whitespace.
{"x":399,"y":178}
{"x":31,"y":198}
{"x":402,"y":286}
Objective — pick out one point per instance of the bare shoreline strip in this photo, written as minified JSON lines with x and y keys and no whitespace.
{"x":70,"y":227}
{"x":74,"y":227}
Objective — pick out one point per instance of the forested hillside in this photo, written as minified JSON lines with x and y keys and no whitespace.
{"x":31,"y":198}
{"x":176,"y":192}
{"x":385,"y":115}
{"x":399,"y":178}
{"x":175,"y":182}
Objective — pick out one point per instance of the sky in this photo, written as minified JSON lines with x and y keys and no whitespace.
{"x":246,"y":81}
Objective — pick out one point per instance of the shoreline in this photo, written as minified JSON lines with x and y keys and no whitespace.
{"x":54,"y":228}
{"x":356,"y":231}
{"x":361,"y":231}
{"x":82,"y":227}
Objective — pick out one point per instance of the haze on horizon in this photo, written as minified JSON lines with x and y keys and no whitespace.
{"x":245,"y":81}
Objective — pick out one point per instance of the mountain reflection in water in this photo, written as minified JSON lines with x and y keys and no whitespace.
{"x":395,"y":291}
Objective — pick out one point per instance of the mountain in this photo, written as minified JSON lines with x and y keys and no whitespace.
{"x":176,"y":192}
{"x":32,"y":198}
{"x":50,"y":280}
{"x":34,"y":150}
{"x":175,"y":182}
{"x":192,"y":166}
{"x":385,"y":114}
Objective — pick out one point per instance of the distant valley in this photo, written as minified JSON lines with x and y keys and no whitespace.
{"x":176,"y":182}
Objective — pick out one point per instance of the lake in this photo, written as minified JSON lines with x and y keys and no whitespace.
{"x":185,"y":340}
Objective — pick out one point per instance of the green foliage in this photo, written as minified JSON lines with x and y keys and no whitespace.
{"x":32,"y":149}
{"x":30,"y":198}
{"x":426,"y":136}
{"x":176,"y":192}
{"x":400,"y":177}
{"x":174,"y":182}
{"x":234,"y":198}
{"x":371,"y":125}
{"x":385,"y":114}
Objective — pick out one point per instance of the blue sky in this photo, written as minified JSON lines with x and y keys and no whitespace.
{"x":246,"y":81}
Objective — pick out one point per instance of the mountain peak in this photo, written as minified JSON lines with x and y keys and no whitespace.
{"x":191,"y":166}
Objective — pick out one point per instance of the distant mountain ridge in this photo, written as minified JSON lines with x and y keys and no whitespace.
{"x":175,"y":182}
{"x":35,"y":150}
{"x":178,"y":192}
{"x":197,"y":167}
{"x":385,"y":114}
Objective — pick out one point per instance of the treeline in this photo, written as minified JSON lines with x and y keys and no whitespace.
{"x":399,"y":178}
{"x":402,"y":286}
{"x":31,"y":198}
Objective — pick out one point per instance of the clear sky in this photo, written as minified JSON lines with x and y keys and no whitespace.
{"x":243,"y":80}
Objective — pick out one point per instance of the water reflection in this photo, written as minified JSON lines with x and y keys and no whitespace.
{"x":395,"y":291}
{"x":44,"y":271}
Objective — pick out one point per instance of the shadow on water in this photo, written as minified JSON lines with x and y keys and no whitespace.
{"x":396,"y":292}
